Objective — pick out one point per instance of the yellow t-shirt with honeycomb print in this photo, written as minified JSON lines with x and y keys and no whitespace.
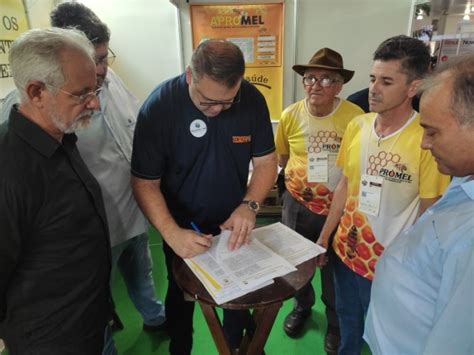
{"x":299,"y":132}
{"x":409,"y":173}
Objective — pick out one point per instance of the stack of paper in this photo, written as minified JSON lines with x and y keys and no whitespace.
{"x":274,"y":251}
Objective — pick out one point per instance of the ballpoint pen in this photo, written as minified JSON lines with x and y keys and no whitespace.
{"x":195,"y":228}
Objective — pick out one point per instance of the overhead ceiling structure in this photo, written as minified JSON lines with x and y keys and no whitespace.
{"x":447,"y":7}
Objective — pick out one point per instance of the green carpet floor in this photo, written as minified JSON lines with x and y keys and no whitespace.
{"x":133,"y":341}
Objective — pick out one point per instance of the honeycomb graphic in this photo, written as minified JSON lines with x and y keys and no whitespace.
{"x":313,"y":195}
{"x":355,"y":242}
{"x":322,"y":137}
{"x":381,"y":160}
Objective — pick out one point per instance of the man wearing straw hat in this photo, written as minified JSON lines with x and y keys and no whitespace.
{"x":307,"y":141}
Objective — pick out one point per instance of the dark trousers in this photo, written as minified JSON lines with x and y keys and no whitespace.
{"x":21,"y":346}
{"x":309,"y":225}
{"x":179,"y":316}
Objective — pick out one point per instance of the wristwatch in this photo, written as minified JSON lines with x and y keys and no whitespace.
{"x":253,"y":206}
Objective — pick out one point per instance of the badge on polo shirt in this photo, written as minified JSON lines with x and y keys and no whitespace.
{"x":198,"y":128}
{"x":318,"y":167}
{"x":370,"y":194}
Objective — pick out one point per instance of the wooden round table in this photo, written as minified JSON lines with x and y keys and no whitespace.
{"x":265,"y":303}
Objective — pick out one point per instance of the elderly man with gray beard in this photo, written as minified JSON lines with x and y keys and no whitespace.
{"x":54,"y":245}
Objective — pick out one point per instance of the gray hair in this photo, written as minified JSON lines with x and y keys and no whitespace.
{"x":36,"y":55}
{"x":460,"y":73}
{"x":222,"y":61}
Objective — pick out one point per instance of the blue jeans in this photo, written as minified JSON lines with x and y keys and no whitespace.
{"x":133,"y":258}
{"x":352,"y":302}
{"x":109,"y":346}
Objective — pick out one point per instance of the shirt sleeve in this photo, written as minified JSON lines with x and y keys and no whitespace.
{"x":11,"y":99}
{"x":432,"y":182}
{"x":346,"y":113}
{"x":11,"y":227}
{"x":453,"y":325}
{"x":149,"y":140}
{"x":347,"y":138}
{"x":281,"y":137}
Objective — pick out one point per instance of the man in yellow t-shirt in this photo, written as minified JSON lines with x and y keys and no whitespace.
{"x":387,"y":181}
{"x":308,"y":139}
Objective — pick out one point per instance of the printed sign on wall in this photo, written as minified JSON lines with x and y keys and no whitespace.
{"x":12,"y":23}
{"x":451,"y":48}
{"x":258,"y":31}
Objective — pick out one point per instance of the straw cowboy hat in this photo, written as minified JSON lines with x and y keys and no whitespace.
{"x":328,"y":59}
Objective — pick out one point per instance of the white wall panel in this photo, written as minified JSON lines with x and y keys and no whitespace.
{"x":145,"y":36}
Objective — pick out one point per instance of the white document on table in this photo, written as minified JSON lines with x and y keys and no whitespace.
{"x":220,"y":285}
{"x":252,"y":264}
{"x":274,"y":251}
{"x":220,"y":293}
{"x":285,"y":242}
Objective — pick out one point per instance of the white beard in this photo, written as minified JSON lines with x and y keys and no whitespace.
{"x":80,"y":122}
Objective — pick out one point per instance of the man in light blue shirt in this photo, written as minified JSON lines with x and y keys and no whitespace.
{"x":423,"y":293}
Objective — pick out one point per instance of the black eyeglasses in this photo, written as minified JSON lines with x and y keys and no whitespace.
{"x":107,"y":59}
{"x":211,"y":103}
{"x":324,"y":81}
{"x":80,"y":99}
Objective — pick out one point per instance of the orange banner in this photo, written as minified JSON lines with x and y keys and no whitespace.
{"x":258,"y":31}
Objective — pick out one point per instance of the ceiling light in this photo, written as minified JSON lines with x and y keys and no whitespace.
{"x":472,"y":8}
{"x":466,"y":17}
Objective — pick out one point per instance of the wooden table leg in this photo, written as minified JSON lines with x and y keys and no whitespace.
{"x":215,"y":327}
{"x":264,"y":319}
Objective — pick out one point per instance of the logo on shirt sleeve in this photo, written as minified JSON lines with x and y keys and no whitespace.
{"x":241,"y":139}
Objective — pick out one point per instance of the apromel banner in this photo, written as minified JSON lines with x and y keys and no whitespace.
{"x":258,"y":31}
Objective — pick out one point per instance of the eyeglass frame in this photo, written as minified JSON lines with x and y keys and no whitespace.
{"x":81,"y":99}
{"x":212,"y":103}
{"x":320,"y":80}
{"x":107,"y":59}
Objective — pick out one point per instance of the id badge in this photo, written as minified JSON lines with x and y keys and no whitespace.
{"x":370,"y":194}
{"x":318,"y":164}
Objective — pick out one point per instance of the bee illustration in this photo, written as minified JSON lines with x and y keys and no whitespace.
{"x":352,"y":242}
{"x":401,"y":167}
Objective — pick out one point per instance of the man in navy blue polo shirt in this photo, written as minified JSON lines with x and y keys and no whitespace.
{"x":195,"y":137}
